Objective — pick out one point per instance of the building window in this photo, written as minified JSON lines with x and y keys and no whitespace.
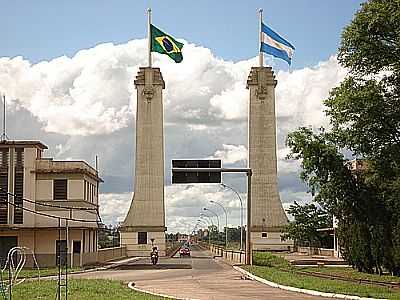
{"x":77,"y":247}
{"x":142,"y":238}
{"x":84,"y":190}
{"x":264,"y":235}
{"x":84,"y":241}
{"x":19,"y":186}
{"x":60,"y":189}
{"x":3,"y":186}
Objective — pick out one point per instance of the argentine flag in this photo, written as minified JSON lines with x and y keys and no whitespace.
{"x":272,"y":43}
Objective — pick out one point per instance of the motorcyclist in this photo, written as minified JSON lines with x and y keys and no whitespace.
{"x":154,"y":255}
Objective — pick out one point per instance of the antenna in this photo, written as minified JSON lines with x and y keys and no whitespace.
{"x":4,"y":136}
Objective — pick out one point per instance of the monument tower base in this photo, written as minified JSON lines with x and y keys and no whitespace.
{"x":130,"y":238}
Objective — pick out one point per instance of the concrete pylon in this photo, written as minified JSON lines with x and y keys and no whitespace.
{"x":146,"y":216}
{"x":267,"y":215}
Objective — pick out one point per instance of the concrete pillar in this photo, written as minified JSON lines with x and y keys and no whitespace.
{"x":267,"y":216}
{"x":146,"y":215}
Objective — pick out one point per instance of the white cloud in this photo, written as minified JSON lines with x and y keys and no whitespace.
{"x":184,"y":204}
{"x":231,"y":154}
{"x":86,"y":105}
{"x":113,"y":207}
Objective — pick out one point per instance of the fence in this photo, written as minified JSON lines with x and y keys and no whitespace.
{"x":234,"y":256}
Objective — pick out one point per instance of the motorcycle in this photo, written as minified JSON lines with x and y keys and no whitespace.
{"x":154,"y":256}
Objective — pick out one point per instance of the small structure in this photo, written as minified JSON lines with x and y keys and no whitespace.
{"x":34,"y":191}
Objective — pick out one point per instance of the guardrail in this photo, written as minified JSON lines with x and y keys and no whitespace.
{"x":234,"y":256}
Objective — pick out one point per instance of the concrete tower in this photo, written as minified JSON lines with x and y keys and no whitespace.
{"x":146,"y":216}
{"x":267,"y":216}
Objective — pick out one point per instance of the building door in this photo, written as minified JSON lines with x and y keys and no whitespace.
{"x":6,"y":243}
{"x":61,"y":252}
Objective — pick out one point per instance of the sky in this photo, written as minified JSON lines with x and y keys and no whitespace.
{"x":67,"y":69}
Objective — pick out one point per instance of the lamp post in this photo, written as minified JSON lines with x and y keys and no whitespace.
{"x":241,"y":213}
{"x":226,"y":221}
{"x":214,"y":213}
{"x":208,"y":230}
{"x":208,"y":218}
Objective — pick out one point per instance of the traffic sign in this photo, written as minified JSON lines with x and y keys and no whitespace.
{"x":183,"y":176}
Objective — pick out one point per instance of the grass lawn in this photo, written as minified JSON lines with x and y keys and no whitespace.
{"x":350,"y":273}
{"x":28,"y":273}
{"x":278,"y":270}
{"x":81,"y":289}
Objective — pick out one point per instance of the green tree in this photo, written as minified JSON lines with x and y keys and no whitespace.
{"x":304,"y":229}
{"x":364,"y":113}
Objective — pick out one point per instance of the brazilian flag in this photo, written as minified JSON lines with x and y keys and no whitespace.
{"x":165,"y":44}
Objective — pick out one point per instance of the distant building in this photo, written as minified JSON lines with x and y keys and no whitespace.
{"x":45,"y":183}
{"x":182,"y":237}
{"x":356,"y":166}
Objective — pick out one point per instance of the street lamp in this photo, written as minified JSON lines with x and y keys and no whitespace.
{"x":213,"y":212}
{"x":241,"y":213}
{"x":226,"y":221}
{"x":208,"y":219}
{"x":208,"y":230}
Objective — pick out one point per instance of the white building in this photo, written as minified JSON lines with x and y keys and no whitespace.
{"x":39,"y":185}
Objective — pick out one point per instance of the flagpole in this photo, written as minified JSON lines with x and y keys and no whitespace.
{"x":260,"y":54}
{"x":149,"y":34}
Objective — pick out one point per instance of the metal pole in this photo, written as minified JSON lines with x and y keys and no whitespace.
{"x":209,"y":232}
{"x":207,"y":224}
{"x":149,"y":34}
{"x":231,"y":170}
{"x":241,"y":213}
{"x":226,"y":222}
{"x":59,"y":259}
{"x":207,"y":209}
{"x":4,"y":136}
{"x":260,"y":54}
{"x":66,"y":263}
{"x":9,"y":276}
{"x":248,"y":232}
{"x":209,"y":218}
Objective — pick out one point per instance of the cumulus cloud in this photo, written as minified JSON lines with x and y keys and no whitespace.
{"x":231,"y":154}
{"x":113,"y":207}
{"x":185,"y":203}
{"x":85,"y":105}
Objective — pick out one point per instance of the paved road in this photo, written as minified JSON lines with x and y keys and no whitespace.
{"x":197,"y":277}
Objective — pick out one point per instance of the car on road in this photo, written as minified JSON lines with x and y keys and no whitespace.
{"x":184,"y":251}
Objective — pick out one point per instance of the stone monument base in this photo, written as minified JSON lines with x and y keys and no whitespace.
{"x":270,"y":240}
{"x":130,"y":239}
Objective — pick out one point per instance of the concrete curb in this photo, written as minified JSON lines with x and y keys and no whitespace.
{"x":298,"y":290}
{"x":131,"y":285}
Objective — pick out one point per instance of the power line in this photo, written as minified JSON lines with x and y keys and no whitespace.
{"x":45,"y":204}
{"x":48,"y":215}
